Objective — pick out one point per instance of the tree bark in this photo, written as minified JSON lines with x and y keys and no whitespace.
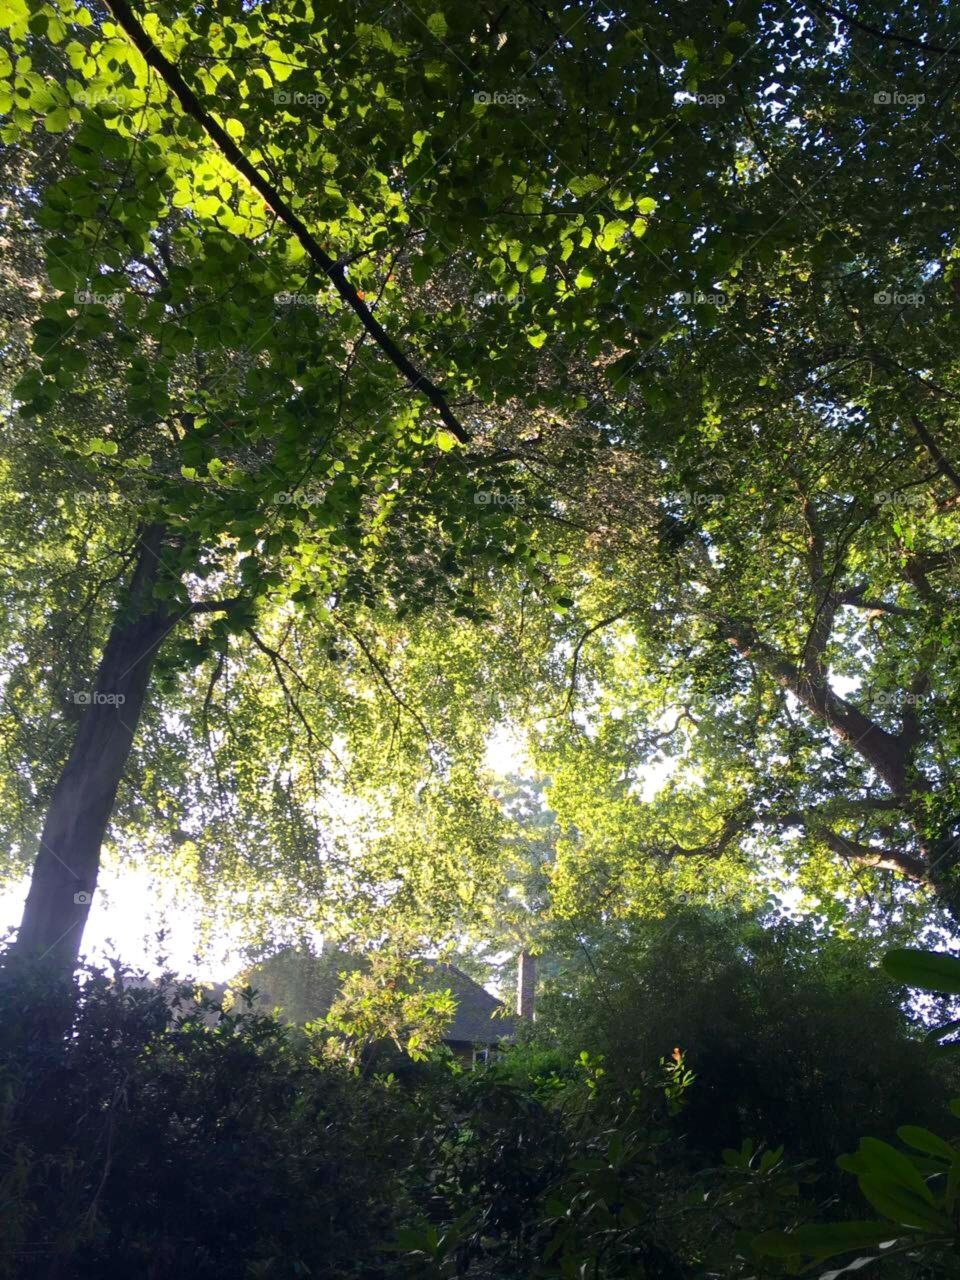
{"x":885,"y":752}
{"x":68,"y":861}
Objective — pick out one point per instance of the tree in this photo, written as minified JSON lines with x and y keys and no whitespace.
{"x":201,"y":187}
{"x":771,"y":602}
{"x":368,"y":263}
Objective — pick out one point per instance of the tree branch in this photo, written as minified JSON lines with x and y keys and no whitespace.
{"x":575,"y":661}
{"x":855,"y":596}
{"x":277,"y":661}
{"x":378,"y":668}
{"x":733,"y":825}
{"x":883,"y":751}
{"x":216,"y":606}
{"x":191,"y":104}
{"x":893,"y":37}
{"x":943,"y":465}
{"x":870,"y":855}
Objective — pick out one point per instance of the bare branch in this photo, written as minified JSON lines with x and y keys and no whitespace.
{"x":575,"y":661}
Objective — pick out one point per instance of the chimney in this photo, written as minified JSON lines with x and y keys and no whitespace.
{"x":526,"y":984}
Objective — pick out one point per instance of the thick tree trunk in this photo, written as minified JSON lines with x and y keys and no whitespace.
{"x":886,"y":753}
{"x":68,"y":860}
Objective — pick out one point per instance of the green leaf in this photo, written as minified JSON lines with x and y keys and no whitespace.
{"x":584,"y":186}
{"x":822,"y":1241}
{"x":879,"y":1161}
{"x":437,"y":25}
{"x":58,"y":121}
{"x":420,"y":271}
{"x":923,"y":1140}
{"x":207,"y":206}
{"x":903,"y":1205}
{"x":929,"y":970}
{"x":611,"y":233}
{"x":948,"y":1028}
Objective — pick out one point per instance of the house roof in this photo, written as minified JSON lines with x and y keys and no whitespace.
{"x":313,"y":983}
{"x":310,"y":984}
{"x":479,"y":1018}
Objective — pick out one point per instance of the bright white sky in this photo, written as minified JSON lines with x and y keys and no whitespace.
{"x":130,"y":909}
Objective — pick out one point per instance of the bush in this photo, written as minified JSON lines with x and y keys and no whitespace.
{"x":166,"y":1138}
{"x":162,"y":1137}
{"x":794,"y":1038}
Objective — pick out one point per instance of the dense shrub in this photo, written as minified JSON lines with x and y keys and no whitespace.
{"x":164,"y":1138}
{"x":187,"y":1141}
{"x":795,"y":1039}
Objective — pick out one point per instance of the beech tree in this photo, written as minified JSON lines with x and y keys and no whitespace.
{"x":210,"y":179}
{"x":342,"y":316}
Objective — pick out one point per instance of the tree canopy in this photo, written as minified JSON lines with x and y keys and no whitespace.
{"x":480,"y":481}
{"x":378,"y":378}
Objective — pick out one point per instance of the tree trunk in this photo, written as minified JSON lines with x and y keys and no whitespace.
{"x":68,"y":861}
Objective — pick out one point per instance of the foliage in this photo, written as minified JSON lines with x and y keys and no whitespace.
{"x":718,"y":425}
{"x":169,"y":1137}
{"x":404,"y":373}
{"x":384,"y":1001}
{"x":771,"y":1019}
{"x":914,"y":1191}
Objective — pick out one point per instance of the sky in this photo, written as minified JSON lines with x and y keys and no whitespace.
{"x":138,"y":918}
{"x":131,"y":909}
